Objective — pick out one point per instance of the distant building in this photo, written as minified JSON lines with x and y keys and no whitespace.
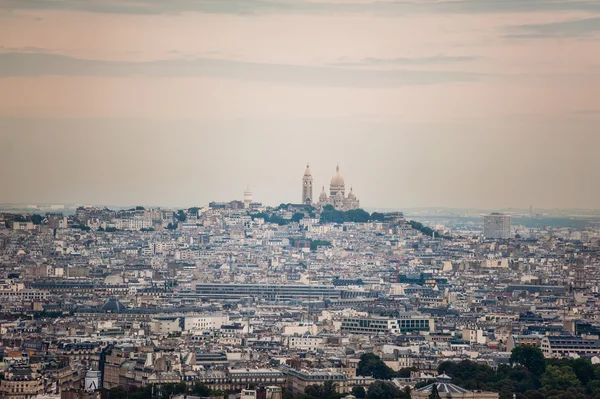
{"x":247,"y":198}
{"x":398,"y":325}
{"x":496,"y":226}
{"x":562,"y":346}
{"x":307,"y":187}
{"x":337,"y":194}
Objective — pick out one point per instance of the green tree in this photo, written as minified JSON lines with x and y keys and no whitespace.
{"x":298,"y":216}
{"x":377,"y":216}
{"x":371,"y":365}
{"x":583,"y":369}
{"x":559,"y":378}
{"x":382,"y":390}
{"x":328,"y":390}
{"x":181,"y":216}
{"x":531,"y":357}
{"x":139,"y":208}
{"x":359,"y":392}
{"x":36,"y":219}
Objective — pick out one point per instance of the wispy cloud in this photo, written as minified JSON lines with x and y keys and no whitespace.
{"x":303,"y":6}
{"x":584,"y":28}
{"x":399,"y":61}
{"x":33,"y":64}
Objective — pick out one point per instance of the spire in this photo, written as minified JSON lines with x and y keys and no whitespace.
{"x":337,"y":168}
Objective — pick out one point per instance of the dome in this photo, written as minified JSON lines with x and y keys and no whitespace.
{"x":323,"y":195}
{"x":337,"y":180}
{"x":351,"y":195}
{"x":112,"y":306}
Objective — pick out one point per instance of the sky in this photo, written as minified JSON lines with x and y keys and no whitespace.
{"x":447,"y":103}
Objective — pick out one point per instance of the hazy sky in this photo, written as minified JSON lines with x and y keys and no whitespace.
{"x":459,"y":103}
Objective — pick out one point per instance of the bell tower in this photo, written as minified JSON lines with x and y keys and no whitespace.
{"x":307,"y":186}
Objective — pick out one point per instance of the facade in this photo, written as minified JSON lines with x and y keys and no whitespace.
{"x":408,"y":323}
{"x":560,"y":346}
{"x":268,"y":292}
{"x":496,"y":226}
{"x":337,"y":194}
{"x":298,"y":380}
{"x":21,"y":383}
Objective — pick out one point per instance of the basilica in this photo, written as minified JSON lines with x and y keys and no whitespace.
{"x":337,"y":192}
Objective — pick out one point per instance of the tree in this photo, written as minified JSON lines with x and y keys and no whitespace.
{"x":405,"y":372}
{"x":325,"y":391}
{"x":377,"y":216}
{"x":434,"y":392}
{"x":298,"y":216}
{"x":382,"y":390}
{"x":583,"y":369}
{"x":171,"y":226}
{"x":181,"y":216}
{"x":371,"y":365}
{"x":359,"y":392}
{"x":559,"y":378}
{"x":139,"y":208}
{"x":531,"y":357}
{"x":36,"y":219}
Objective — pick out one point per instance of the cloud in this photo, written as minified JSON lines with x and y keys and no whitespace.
{"x":34,"y":64}
{"x":27,"y":49}
{"x":370,"y":61}
{"x":381,"y":7}
{"x":575,"y":28}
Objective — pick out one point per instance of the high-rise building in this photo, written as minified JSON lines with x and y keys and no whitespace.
{"x":496,"y":226}
{"x":307,"y":186}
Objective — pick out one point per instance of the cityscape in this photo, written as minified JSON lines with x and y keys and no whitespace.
{"x":299,"y":199}
{"x":315,"y":298}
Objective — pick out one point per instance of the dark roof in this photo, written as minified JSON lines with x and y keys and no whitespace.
{"x":112,"y":306}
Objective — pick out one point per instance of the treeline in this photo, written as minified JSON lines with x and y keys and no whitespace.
{"x":276,"y":219}
{"x":530,"y":376}
{"x":331,"y":215}
{"x":376,"y":390}
{"x":426,"y":230}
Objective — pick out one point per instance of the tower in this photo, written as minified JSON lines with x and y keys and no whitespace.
{"x":307,"y":186}
{"x":247,"y":197}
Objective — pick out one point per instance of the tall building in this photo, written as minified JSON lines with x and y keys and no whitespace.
{"x":307,"y":186}
{"x":496,"y":226}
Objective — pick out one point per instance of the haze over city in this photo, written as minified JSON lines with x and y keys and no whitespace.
{"x":423,"y":104}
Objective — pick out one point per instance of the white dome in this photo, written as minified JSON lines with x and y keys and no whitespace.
{"x":337,"y":180}
{"x":351,"y":194}
{"x":323,"y":195}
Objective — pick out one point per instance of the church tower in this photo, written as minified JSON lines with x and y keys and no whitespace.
{"x":307,"y":187}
